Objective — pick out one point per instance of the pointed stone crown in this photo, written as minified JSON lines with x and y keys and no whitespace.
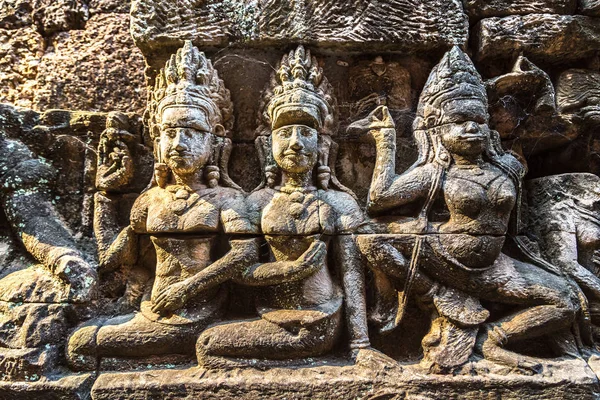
{"x":454,"y":78}
{"x":300,"y":94}
{"x":189,"y":80}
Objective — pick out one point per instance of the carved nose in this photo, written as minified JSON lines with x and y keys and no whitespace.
{"x":179,"y":143}
{"x":472,"y":127}
{"x":295,"y":144}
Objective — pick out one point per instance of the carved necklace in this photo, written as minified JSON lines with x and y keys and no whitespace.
{"x":183,"y":198}
{"x":297,"y":195}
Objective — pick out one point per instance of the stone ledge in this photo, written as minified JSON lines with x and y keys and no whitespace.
{"x":567,"y":379}
{"x":59,"y":387}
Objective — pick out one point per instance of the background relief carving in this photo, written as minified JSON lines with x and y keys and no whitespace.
{"x":308,"y":199}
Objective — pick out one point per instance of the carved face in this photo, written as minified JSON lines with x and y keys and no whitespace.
{"x":464,"y":129}
{"x":185,"y":139}
{"x":295,"y":148}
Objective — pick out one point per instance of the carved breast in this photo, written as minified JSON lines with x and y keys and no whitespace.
{"x":479,"y":201}
{"x":296,"y":214}
{"x":199,"y":213}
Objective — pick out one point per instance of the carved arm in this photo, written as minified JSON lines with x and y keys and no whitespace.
{"x":242,"y":254}
{"x":273,"y":273}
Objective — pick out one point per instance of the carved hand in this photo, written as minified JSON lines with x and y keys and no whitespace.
{"x":115,"y":166}
{"x":171,"y":299}
{"x":379,"y":124}
{"x":314,"y":257}
{"x":81,"y":277}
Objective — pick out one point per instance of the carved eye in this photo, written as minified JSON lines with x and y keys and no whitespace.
{"x":284,"y":133}
{"x":306,"y":132}
{"x":170,"y":133}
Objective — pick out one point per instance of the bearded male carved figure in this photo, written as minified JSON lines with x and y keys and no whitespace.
{"x":190,"y":202}
{"x":303,"y":212}
{"x":452,"y":254}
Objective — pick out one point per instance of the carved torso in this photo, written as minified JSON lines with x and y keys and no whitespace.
{"x":291,"y":222}
{"x":480,"y":201}
{"x":203,"y":215}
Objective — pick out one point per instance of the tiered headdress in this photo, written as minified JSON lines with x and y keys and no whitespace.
{"x":299,"y":94}
{"x":454,"y":78}
{"x":189,"y":80}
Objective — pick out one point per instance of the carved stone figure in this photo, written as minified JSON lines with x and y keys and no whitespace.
{"x":189,"y":202}
{"x":303,"y":212}
{"x":463,"y":194}
{"x":37,"y":303}
{"x":563,"y":216}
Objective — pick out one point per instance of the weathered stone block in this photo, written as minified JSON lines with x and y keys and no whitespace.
{"x":20,"y":53}
{"x":15,"y":14}
{"x":69,"y":387}
{"x":56,"y":16}
{"x":478,"y":9}
{"x":590,"y":7}
{"x":546,"y":37}
{"x":109,"y":6}
{"x":395,"y":24}
{"x":96,"y":69}
{"x":323,"y":381}
{"x":49,"y":16}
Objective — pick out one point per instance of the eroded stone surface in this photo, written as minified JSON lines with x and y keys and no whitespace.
{"x":478,"y":9}
{"x":96,"y":69}
{"x":109,"y":6}
{"x":590,"y":7}
{"x":21,"y":51}
{"x":396,"y":24}
{"x":558,"y":38}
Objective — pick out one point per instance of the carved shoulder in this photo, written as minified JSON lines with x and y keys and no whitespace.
{"x":139,"y":211}
{"x":235,"y":215}
{"x":348,"y":214}
{"x":256,"y":203}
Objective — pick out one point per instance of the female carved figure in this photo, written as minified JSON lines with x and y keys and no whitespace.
{"x":466,"y":188}
{"x":298,"y":207}
{"x":191,"y":200}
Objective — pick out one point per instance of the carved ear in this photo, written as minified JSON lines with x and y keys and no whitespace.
{"x":220,"y":130}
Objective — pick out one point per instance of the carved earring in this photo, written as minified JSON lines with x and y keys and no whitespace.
{"x":442,"y":156}
{"x":323,"y":176}
{"x":161,"y":174}
{"x":212,"y":175}
{"x":271,"y":174}
{"x":323,"y":170}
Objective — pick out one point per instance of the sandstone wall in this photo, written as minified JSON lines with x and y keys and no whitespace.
{"x":71,"y":54}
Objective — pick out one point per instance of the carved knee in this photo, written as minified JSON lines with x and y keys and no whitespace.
{"x":81,"y":348}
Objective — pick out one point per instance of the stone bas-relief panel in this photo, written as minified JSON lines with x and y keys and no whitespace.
{"x":407,"y":25}
{"x":325,"y":222}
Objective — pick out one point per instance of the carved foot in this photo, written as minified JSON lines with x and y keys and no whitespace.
{"x":491,"y":348}
{"x":373,"y":359}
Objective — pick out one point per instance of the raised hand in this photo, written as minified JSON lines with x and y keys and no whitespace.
{"x":115,"y":166}
{"x":378,"y":122}
{"x":314,"y":257}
